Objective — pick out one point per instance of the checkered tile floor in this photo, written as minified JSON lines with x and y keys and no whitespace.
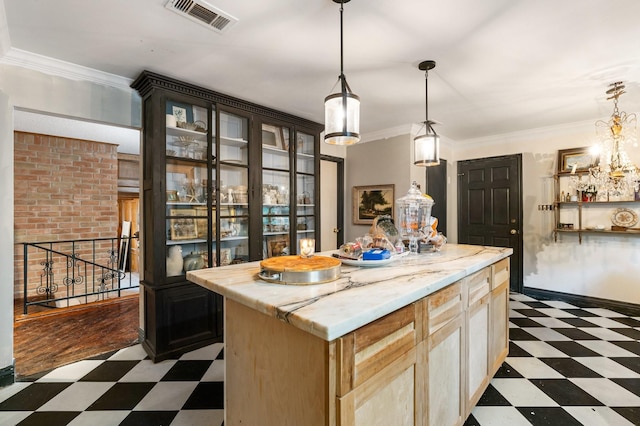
{"x":567,"y":366}
{"x":124,"y":388}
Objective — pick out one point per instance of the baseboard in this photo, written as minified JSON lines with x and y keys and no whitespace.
{"x":625,"y":308}
{"x":141,"y":335}
{"x":7,"y":376}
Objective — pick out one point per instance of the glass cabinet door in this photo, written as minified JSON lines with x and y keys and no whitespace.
{"x":276,"y":182}
{"x":305,"y":187}
{"x":187,"y":226}
{"x":231,"y":164}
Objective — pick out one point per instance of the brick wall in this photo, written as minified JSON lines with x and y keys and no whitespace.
{"x":65,"y":189}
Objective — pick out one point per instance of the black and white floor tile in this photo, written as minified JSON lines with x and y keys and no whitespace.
{"x":123,"y":388}
{"x":567,"y":365}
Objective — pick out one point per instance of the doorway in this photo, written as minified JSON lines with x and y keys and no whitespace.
{"x":331,"y":202}
{"x":490,"y":207}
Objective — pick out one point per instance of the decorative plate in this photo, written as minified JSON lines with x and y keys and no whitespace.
{"x":624,"y":217}
{"x":372,"y":263}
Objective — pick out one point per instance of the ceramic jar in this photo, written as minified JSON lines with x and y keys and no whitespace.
{"x":193,"y":261}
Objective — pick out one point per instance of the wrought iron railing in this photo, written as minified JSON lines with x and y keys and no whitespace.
{"x":57,"y":273}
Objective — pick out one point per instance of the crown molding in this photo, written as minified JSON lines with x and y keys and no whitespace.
{"x":528,"y":134}
{"x":51,"y":66}
{"x":391,"y":132}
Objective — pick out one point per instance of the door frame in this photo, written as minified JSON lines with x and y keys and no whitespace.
{"x":518,"y":160}
{"x":339,"y":193}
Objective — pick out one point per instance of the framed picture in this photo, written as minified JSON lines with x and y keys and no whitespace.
{"x":272,"y":136}
{"x":371,"y":201}
{"x":201,"y":224}
{"x":277,"y":245}
{"x":183,"y":228}
{"x":181,"y":111}
{"x":225,"y":256}
{"x":576,"y":160}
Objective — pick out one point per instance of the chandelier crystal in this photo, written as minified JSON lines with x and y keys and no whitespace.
{"x":615,"y":175}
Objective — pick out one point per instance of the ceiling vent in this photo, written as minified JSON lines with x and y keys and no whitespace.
{"x":203,"y":13}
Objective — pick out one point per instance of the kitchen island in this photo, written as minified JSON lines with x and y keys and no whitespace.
{"x":413,"y":342}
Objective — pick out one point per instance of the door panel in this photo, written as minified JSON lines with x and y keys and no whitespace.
{"x":436,"y":180}
{"x":331,"y":202}
{"x":490,"y":207}
{"x":328,"y":205}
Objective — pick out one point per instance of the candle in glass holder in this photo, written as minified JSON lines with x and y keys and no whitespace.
{"x":307,"y":247}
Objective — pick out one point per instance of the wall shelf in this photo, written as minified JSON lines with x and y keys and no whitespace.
{"x":581,"y":206}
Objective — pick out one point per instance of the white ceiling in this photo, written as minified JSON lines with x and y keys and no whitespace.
{"x":502,"y":65}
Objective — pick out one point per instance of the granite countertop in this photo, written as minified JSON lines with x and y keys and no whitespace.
{"x":361,"y":294}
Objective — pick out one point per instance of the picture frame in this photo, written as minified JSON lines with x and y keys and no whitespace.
{"x":277,"y":245}
{"x":172,"y":196}
{"x":123,"y":253}
{"x":225,"y":256}
{"x":183,"y":228}
{"x":371,"y":201}
{"x":272,"y":136}
{"x":581,"y":158}
{"x":201,"y":224}
{"x":181,"y":111}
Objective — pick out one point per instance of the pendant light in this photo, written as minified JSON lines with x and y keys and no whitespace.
{"x":342,"y":110}
{"x":427,"y":146}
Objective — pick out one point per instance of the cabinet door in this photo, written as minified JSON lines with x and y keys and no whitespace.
{"x":478,"y":287}
{"x":230,"y":174}
{"x":446,"y":357}
{"x":305,"y":187}
{"x":376,"y":372}
{"x":499,"y":315}
{"x":276,"y":191}
{"x":187,"y":225}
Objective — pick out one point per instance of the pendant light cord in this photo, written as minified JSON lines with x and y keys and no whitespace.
{"x":342,"y":79}
{"x":426,"y":97}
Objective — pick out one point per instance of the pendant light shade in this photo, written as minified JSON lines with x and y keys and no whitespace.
{"x":427,"y":146}
{"x":342,"y":110}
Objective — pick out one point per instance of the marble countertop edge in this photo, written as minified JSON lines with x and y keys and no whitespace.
{"x":361,"y":295}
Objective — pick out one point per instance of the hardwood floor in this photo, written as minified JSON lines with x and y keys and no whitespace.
{"x":52,"y":338}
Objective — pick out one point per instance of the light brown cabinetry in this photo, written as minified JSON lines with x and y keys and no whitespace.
{"x":424,"y":364}
{"x":499,"y":315}
{"x":479,"y":327}
{"x":445,"y":366}
{"x":378,"y":381}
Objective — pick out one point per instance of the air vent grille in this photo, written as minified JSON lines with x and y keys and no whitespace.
{"x":203,"y":13}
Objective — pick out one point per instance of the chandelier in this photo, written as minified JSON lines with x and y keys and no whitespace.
{"x":615,"y":175}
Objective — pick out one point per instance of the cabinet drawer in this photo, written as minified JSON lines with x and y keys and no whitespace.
{"x":366,"y":351}
{"x":444,"y":306}
{"x":477,"y":286}
{"x":501,"y":273}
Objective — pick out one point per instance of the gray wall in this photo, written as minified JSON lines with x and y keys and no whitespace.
{"x":6,"y":232}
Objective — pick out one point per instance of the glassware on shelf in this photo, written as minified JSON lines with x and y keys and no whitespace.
{"x":414,"y":215}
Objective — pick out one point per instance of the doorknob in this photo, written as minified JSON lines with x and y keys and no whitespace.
{"x":336,"y":230}
{"x":513,"y":232}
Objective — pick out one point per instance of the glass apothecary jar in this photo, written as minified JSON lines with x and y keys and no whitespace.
{"x":414,"y":212}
